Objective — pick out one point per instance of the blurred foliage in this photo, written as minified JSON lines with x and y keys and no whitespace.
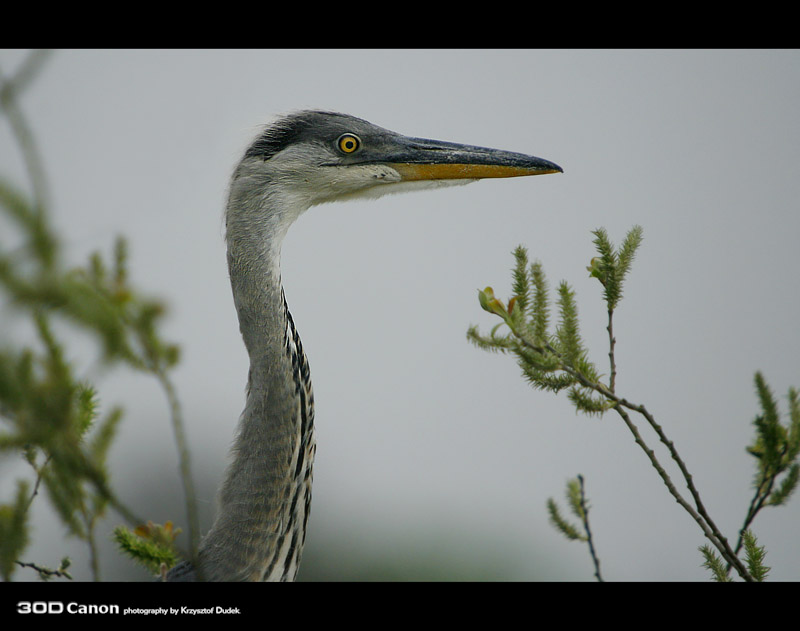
{"x":49,"y":412}
{"x":152,"y":546}
{"x":568,"y":529}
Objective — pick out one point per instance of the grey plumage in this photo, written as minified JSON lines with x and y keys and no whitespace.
{"x":302,"y":159}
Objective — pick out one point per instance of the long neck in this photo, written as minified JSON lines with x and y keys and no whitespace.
{"x":264,"y":501}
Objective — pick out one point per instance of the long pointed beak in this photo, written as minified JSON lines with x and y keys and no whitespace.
{"x":421,"y":159}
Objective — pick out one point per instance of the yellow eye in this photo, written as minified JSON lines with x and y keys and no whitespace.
{"x":348,"y":143}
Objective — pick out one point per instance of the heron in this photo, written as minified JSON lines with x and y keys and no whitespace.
{"x":301,"y":159}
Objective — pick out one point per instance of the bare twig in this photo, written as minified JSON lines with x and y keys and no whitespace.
{"x":612,"y":342}
{"x":698,"y":512}
{"x":94,"y":560}
{"x":39,"y":475}
{"x":176,"y":416}
{"x":45,"y":572}
{"x":756,"y":504}
{"x":585,"y":513}
{"x":726,"y":551}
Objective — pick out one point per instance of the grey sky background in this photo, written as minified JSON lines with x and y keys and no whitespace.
{"x":421,"y":436}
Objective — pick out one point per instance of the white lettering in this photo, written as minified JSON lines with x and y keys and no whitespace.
{"x":40,"y":607}
{"x":91,"y":609}
{"x":228,"y":610}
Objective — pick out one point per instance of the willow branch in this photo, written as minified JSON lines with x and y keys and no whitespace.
{"x":697,"y":512}
{"x":756,"y":504}
{"x":687,"y":477}
{"x":45,"y":572}
{"x":9,"y":91}
{"x":585,"y":513}
{"x":612,"y":342}
{"x":185,"y":465}
{"x":38,"y":483}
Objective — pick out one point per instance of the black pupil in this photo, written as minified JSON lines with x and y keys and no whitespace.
{"x":349,"y":144}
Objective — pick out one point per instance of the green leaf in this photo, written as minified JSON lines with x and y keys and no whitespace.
{"x":147,"y":546}
{"x":562,"y":525}
{"x":568,"y":332}
{"x":540,"y":305}
{"x":786,"y":488}
{"x":584,"y":401}
{"x":627,"y":251}
{"x":521,"y":285}
{"x":545,"y":380}
{"x":491,"y":343}
{"x":715,"y":564}
{"x":14,"y":531}
{"x":793,"y":436}
{"x":612,"y":265}
{"x":768,"y":424}
{"x":574,"y":498}
{"x":491,"y":304}
{"x":754,"y":556}
{"x":87,"y":404}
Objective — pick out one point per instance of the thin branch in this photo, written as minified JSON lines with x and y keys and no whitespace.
{"x":612,"y":342}
{"x":185,"y":465}
{"x":37,"y":484}
{"x":700,"y":515}
{"x":45,"y":572}
{"x":28,"y":69}
{"x":99,"y":485}
{"x":9,"y":92}
{"x":585,"y":513}
{"x":714,"y":536}
{"x":729,"y":554}
{"x":108,"y":495}
{"x":756,"y":504}
{"x":94,"y":561}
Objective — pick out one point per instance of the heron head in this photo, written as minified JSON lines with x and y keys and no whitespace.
{"x":319,"y":157}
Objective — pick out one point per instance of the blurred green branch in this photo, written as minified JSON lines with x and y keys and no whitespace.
{"x":49,"y":413}
{"x":152,"y":546}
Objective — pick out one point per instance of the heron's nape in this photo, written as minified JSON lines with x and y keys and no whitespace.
{"x":302,"y":159}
